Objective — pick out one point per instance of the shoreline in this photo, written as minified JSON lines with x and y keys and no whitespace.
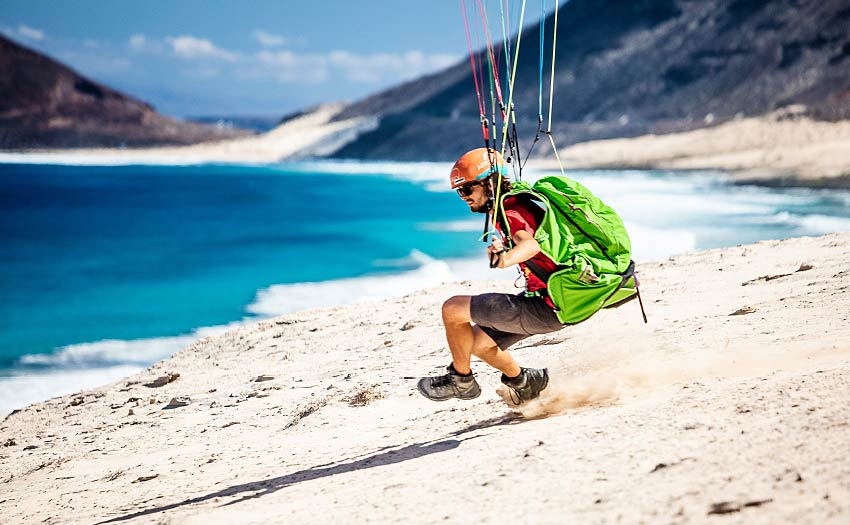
{"x":781,"y":149}
{"x":311,"y":134}
{"x":732,"y":399}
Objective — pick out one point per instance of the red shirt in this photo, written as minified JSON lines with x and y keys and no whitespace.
{"x":523,"y":214}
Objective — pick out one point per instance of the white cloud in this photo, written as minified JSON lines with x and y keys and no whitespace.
{"x":379,"y":68}
{"x":30,"y":33}
{"x":137,"y":41}
{"x":268,"y":39}
{"x":190,"y":47}
{"x":289,"y":68}
{"x":382,"y":67}
{"x":286,"y":66}
{"x":143,"y":44}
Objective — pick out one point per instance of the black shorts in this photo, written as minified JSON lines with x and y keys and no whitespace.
{"x":508,"y":319}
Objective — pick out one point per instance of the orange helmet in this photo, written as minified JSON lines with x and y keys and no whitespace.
{"x":475,"y":165}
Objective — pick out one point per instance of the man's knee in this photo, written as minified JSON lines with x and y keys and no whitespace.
{"x":456,"y":309}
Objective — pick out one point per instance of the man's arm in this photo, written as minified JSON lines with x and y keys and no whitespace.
{"x":525,"y":247}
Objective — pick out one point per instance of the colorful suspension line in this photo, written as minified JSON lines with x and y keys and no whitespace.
{"x":512,"y":141}
{"x":511,"y":110}
{"x":540,"y":81}
{"x":552,"y":90}
{"x":472,"y":63}
{"x":493,"y":81}
{"x":507,"y":111}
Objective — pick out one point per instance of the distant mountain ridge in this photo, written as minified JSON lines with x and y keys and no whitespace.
{"x":44,"y":104}
{"x":632,"y":67}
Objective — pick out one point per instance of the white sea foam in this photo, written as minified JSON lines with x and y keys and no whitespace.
{"x":411,"y":171}
{"x":820,"y":224}
{"x":284,"y":298}
{"x":100,"y":159}
{"x":21,"y":389}
{"x":813,"y":224}
{"x":466,"y":225}
{"x":652,"y":244}
{"x":87,"y":365}
{"x":114,"y":352}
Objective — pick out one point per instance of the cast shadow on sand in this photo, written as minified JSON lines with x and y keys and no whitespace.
{"x":384,"y":456}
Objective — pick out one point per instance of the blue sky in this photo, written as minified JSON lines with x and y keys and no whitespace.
{"x":215,"y":57}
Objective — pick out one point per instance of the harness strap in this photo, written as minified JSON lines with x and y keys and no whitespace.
{"x":539,"y":272}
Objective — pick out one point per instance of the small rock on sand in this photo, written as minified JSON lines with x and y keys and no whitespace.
{"x":177,"y":402}
{"x":163,"y":380}
{"x":262,"y":377}
{"x":146,"y":478}
{"x":744,"y":311}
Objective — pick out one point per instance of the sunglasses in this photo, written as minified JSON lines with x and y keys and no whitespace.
{"x":467,"y":189}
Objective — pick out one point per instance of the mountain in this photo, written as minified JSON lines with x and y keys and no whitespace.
{"x":632,"y":67}
{"x":44,"y":104}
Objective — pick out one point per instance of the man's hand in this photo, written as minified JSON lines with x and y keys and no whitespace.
{"x":496,"y":252}
{"x":525,"y":247}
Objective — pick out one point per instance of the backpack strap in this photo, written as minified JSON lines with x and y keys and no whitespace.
{"x":630,"y":274}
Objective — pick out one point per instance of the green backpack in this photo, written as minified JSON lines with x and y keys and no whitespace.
{"x":588,"y":242}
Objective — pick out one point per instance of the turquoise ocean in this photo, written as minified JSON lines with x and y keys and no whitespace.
{"x":107,"y":269}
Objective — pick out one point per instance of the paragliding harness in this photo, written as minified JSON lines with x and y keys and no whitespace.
{"x":588,"y":242}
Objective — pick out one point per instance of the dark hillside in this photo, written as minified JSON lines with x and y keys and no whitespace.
{"x":44,"y":104}
{"x":630,"y":67}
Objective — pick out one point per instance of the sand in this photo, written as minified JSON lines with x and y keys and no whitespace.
{"x":731,"y":406}
{"x":782,"y":148}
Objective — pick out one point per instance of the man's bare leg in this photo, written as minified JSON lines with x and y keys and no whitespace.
{"x":466,"y":340}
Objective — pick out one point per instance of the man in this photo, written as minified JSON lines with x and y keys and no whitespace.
{"x":487,"y":325}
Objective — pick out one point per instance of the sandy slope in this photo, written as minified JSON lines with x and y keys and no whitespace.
{"x":311,"y":134}
{"x":699,"y":413}
{"x":783,"y":147}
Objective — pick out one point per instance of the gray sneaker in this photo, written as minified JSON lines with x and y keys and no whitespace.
{"x":528,"y":384}
{"x":451,"y":385}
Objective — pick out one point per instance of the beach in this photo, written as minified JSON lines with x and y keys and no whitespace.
{"x":730,"y":406}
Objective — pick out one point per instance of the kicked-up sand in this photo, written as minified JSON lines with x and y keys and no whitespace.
{"x":731,"y":406}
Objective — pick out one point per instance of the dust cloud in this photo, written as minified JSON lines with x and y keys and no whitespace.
{"x":596,"y":381}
